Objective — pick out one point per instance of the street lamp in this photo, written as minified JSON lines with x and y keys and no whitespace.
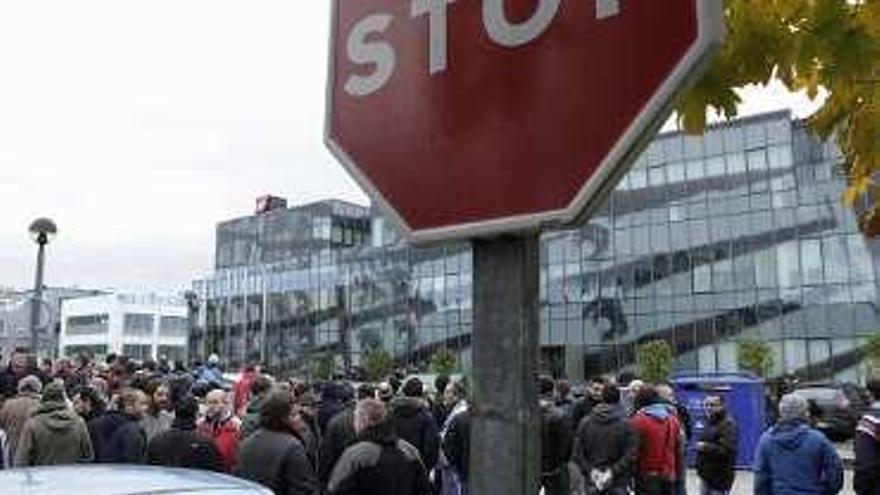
{"x":42,"y":231}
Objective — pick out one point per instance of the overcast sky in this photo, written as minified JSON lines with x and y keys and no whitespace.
{"x":139,"y":124}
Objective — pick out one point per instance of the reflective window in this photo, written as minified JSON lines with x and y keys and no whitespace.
{"x":757,"y":160}
{"x":638,"y":178}
{"x":702,"y":278}
{"x":834,"y":257}
{"x":656,"y":176}
{"x":736,"y":163}
{"x":137,"y":324}
{"x":788,"y":265}
{"x":715,"y":166}
{"x":173,"y":325}
{"x":138,"y":352}
{"x":88,"y":324}
{"x":695,"y":170}
{"x":811,"y":261}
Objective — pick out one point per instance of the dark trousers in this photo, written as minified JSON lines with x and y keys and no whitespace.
{"x":654,"y":485}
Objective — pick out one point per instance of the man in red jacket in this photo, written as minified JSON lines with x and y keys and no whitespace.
{"x":659,"y":461}
{"x":221,"y":426}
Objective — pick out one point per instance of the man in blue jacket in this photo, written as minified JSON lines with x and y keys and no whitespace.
{"x":793,"y":458}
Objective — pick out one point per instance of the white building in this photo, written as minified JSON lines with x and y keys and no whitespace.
{"x":139,"y":327}
{"x":15,"y":318}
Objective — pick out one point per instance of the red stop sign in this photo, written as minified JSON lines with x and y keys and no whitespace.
{"x":468,"y":118}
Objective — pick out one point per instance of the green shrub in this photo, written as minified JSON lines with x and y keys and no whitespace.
{"x":654,"y":360}
{"x":756,"y":356}
{"x":444,"y":362}
{"x":378,"y":364}
{"x":323,"y":366}
{"x":871,"y":353}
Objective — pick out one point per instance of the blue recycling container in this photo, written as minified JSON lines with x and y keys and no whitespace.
{"x":744,"y":400}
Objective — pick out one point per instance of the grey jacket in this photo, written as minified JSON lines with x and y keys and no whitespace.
{"x":153,"y":425}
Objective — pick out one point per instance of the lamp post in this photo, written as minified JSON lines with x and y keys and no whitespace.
{"x":42,"y":231}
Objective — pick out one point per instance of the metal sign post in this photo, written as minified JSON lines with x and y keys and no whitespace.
{"x":505,"y":446}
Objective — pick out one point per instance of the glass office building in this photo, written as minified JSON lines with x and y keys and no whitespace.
{"x":711,"y":240}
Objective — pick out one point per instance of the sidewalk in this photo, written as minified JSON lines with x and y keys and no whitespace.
{"x":743,"y":485}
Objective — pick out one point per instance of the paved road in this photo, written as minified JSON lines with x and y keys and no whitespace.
{"x":743,"y":484}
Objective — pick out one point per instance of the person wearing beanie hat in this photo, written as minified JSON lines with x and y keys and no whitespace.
{"x":55,"y":434}
{"x":793,"y":458}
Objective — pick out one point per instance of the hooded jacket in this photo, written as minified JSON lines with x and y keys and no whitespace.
{"x":380,"y":464}
{"x":794,"y":459}
{"x":605,"y":440}
{"x":415,"y":424}
{"x":716,"y":460}
{"x":660,"y":442}
{"x":54,"y":435}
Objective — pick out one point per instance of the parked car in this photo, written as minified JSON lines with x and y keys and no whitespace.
{"x":835,"y":407}
{"x":107,"y":479}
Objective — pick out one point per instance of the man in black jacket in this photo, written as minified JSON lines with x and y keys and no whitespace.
{"x":118,"y":434}
{"x":592,"y":397}
{"x":181,"y":446}
{"x":273,"y":456}
{"x":415,"y":424}
{"x":380,"y":463}
{"x":455,"y":441}
{"x":605,"y":446}
{"x":866,"y":476}
{"x":338,"y":436}
{"x":716,"y":449}
{"x":556,"y":438}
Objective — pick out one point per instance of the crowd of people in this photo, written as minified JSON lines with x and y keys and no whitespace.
{"x":394,"y":437}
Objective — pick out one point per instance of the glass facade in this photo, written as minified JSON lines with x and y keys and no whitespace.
{"x":283,"y":234}
{"x":735,"y":235}
{"x":88,"y":325}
